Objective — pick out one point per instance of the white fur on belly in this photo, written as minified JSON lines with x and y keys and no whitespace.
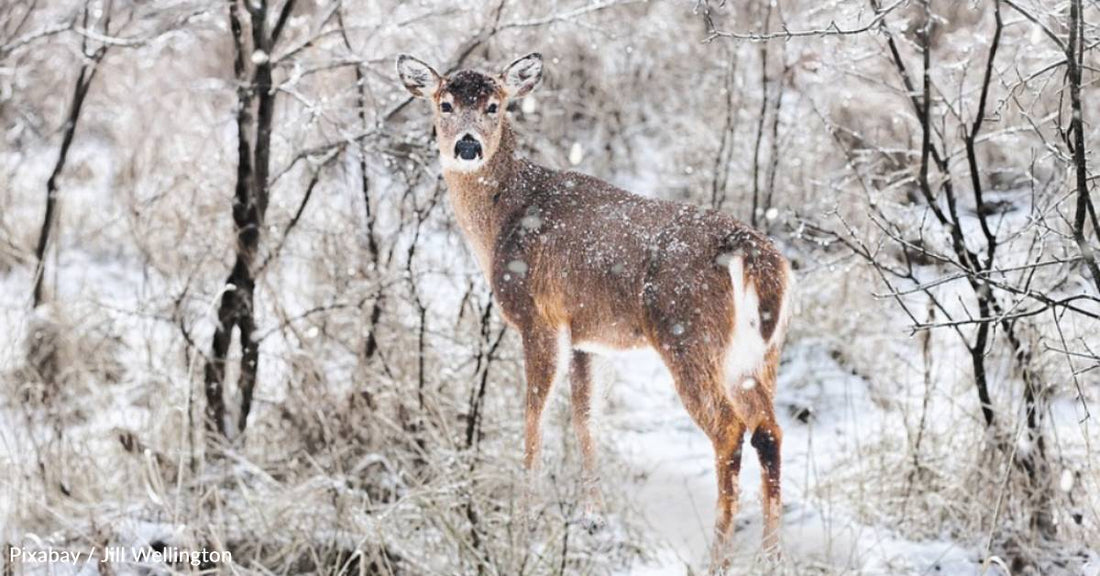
{"x":596,"y":348}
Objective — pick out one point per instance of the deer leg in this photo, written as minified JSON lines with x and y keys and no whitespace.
{"x":700,"y":389}
{"x":582,"y":427}
{"x":543,"y":351}
{"x":767,"y":439}
{"x":727,"y":455}
{"x":726,"y":437}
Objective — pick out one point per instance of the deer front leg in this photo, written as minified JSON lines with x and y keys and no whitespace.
{"x":582,"y":427}
{"x":543,"y":352}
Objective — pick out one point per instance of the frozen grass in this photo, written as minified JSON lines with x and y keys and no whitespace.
{"x":355,"y":465}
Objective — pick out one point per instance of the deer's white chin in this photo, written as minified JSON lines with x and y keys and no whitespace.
{"x":459,"y":165}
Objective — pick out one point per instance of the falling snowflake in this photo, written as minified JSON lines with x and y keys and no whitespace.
{"x":1067,"y":481}
{"x":576,"y":154}
{"x":529,"y":105}
{"x":531,"y":222}
{"x":518,"y":266}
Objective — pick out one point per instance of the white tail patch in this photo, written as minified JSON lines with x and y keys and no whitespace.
{"x":747,"y":347}
{"x":784,"y":307}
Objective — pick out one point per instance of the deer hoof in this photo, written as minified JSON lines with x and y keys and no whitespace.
{"x":593,"y":522}
{"x":529,"y":518}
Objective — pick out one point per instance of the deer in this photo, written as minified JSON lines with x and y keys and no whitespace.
{"x":581,"y":268}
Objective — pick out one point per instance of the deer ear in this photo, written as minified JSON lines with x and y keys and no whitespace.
{"x":419,"y":78}
{"x":521,"y":76}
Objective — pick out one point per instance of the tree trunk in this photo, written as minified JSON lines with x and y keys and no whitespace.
{"x":1074,"y":55}
{"x":235,"y":309}
{"x":80,"y":91}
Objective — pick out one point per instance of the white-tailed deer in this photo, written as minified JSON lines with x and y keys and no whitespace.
{"x":579,"y":266}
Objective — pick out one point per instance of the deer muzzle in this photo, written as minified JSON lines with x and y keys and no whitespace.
{"x":468,"y":148}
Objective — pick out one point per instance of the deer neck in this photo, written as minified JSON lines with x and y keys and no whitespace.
{"x":480,"y":198}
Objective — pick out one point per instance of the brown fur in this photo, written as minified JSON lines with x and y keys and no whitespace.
{"x":565,"y":251}
{"x":470,"y":88}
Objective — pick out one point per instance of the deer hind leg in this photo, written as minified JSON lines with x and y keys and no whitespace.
{"x":727,"y":453}
{"x":699,"y":385}
{"x":581,"y":374}
{"x":726,"y":434}
{"x":767,"y":439}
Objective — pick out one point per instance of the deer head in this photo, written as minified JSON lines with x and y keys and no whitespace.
{"x":468,"y":107}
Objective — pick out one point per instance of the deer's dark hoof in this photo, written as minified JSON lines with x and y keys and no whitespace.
{"x":593,"y":522}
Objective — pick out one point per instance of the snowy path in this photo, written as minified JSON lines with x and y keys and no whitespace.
{"x":677,"y":492}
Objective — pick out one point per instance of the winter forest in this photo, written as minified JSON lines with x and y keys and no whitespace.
{"x":243,"y":332}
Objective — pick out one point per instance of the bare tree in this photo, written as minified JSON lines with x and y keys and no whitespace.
{"x":1004,"y":298}
{"x":250,"y":200}
{"x":88,"y":68}
{"x":924,"y":164}
{"x":1075,"y":140}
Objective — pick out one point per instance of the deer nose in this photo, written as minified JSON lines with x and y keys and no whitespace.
{"x":468,"y":148}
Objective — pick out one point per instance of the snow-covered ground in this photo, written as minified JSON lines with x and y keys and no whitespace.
{"x":828,"y":414}
{"x":847,"y":435}
{"x":676,"y":489}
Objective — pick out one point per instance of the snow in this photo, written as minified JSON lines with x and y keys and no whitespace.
{"x":851,"y":389}
{"x":676,"y":491}
{"x":529,"y":105}
{"x":576,"y":154}
{"x":828,"y":414}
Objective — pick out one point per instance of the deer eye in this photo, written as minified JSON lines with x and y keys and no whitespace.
{"x":492,"y":109}
{"x":446,"y":107}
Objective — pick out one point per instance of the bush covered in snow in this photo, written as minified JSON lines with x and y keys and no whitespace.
{"x":926,"y":167}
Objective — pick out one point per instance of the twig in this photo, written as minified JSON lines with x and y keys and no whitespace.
{"x":832,"y":29}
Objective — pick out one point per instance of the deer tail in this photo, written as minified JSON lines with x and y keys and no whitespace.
{"x":761,"y":300}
